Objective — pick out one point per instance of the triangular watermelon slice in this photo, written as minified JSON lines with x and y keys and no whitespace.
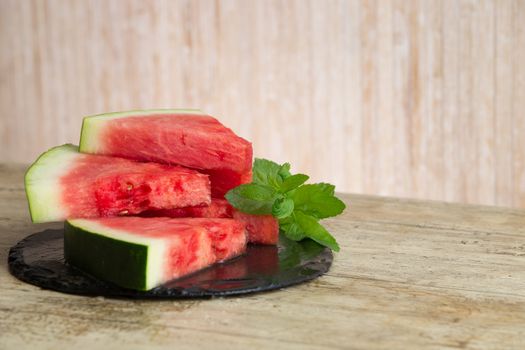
{"x":185,"y":137}
{"x":64,"y":184}
{"x":142,"y":253}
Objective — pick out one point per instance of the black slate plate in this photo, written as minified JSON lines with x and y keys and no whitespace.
{"x":39,"y":260}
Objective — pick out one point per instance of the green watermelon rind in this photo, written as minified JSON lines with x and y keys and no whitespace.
{"x":93,"y":125}
{"x":42,"y":186}
{"x":113,"y":255}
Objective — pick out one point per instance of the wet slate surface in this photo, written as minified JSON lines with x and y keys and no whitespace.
{"x":39,"y":260}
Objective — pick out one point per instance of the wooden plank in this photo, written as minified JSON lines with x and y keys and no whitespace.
{"x":504,"y":70}
{"x":453,"y":152}
{"x":352,"y":123}
{"x":385,"y":124}
{"x":518,"y":105}
{"x":430,"y":43}
{"x":404,"y":168}
{"x":368,"y":41}
{"x":465,"y":145}
{"x":482,"y":100}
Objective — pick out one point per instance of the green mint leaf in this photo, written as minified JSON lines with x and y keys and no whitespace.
{"x":317,"y":200}
{"x":293,"y":181}
{"x":252,"y":198}
{"x":290,"y":229}
{"x":266,"y":172}
{"x":314,"y":230}
{"x":297,"y":206}
{"x":282,"y":208}
{"x":284,"y":172}
{"x":293,"y":231}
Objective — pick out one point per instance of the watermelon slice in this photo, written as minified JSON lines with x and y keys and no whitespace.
{"x":261,"y":229}
{"x":186,"y":137}
{"x":64,"y":183}
{"x":142,"y":253}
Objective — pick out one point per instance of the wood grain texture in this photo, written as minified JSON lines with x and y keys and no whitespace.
{"x":410,"y":275}
{"x":409,"y":98}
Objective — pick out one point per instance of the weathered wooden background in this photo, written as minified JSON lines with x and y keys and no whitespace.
{"x":407,"y":98}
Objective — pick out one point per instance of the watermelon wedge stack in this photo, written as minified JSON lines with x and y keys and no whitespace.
{"x":172,"y":167}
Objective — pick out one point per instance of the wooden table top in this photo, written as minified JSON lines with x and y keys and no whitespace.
{"x":410,"y":274}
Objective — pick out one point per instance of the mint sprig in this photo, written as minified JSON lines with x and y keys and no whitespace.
{"x":298,"y":207}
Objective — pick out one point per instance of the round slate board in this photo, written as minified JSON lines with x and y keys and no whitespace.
{"x":39,"y":259}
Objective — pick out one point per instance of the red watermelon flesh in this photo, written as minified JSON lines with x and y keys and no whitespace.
{"x":188,"y":138}
{"x":218,"y":208}
{"x":228,"y":236}
{"x":261,"y":229}
{"x":121,"y":187}
{"x":224,"y":180}
{"x":64,"y":184}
